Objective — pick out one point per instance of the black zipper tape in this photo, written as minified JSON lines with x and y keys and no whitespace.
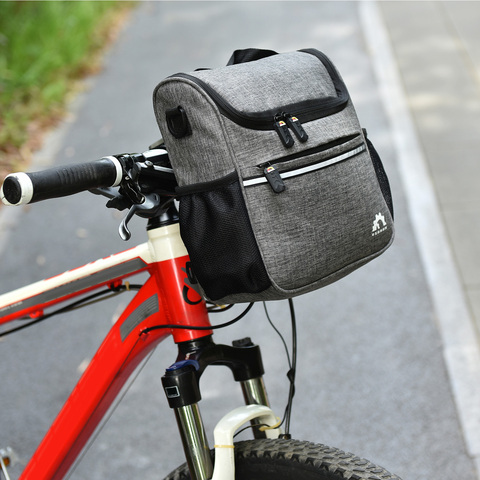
{"x":311,"y":151}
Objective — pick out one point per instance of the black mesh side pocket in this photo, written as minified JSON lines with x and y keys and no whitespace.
{"x":381,"y":175}
{"x":216,"y":230}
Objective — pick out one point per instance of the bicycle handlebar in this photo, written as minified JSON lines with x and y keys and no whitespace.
{"x":23,"y":188}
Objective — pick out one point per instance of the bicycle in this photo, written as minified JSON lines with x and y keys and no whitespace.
{"x":168,"y":303}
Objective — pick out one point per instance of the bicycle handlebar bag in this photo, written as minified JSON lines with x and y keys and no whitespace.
{"x":280,"y":191}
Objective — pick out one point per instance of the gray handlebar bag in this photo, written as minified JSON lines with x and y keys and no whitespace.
{"x":280,"y":190}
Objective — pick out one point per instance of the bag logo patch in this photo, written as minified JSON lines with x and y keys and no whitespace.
{"x":379,"y":224}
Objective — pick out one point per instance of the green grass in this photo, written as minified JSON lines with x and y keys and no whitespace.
{"x":44,"y":47}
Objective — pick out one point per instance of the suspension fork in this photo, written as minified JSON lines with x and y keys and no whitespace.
{"x":181,"y":385}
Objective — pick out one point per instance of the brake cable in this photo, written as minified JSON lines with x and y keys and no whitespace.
{"x":83,"y":302}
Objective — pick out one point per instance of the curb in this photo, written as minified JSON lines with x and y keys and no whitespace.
{"x":461,"y":352}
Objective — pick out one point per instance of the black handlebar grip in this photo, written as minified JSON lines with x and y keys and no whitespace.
{"x":22,"y":188}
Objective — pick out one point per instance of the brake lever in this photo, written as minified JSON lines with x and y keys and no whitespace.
{"x":123,"y":230}
{"x":149,"y":205}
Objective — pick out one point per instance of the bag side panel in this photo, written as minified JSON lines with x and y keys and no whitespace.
{"x":205,"y":154}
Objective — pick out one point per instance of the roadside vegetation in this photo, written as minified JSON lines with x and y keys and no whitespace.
{"x":46,"y":47}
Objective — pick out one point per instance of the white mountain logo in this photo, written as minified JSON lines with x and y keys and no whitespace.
{"x":379,"y":224}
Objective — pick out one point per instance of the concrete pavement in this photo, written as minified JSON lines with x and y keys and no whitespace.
{"x":435,"y":47}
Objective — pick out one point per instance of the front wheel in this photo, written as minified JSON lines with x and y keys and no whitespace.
{"x":295,"y":460}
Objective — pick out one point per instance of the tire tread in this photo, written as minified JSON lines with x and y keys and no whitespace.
{"x":339,"y":464}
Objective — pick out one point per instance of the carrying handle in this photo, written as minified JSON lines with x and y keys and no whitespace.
{"x":249,"y":55}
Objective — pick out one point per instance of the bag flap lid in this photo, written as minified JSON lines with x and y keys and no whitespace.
{"x":303,"y":80}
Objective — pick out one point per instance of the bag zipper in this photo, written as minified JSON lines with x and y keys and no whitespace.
{"x":282,"y":130}
{"x":311,"y":151}
{"x":285,"y":121}
{"x":275,"y":178}
{"x":296,"y":127}
{"x":304,"y":111}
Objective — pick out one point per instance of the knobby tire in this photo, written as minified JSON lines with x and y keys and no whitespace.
{"x":294,"y":460}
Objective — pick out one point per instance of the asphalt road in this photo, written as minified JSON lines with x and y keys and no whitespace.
{"x":371,"y":377}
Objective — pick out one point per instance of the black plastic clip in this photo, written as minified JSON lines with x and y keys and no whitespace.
{"x":274,"y":178}
{"x":177,"y":122}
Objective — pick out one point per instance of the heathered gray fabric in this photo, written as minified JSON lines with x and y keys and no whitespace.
{"x":320,"y":228}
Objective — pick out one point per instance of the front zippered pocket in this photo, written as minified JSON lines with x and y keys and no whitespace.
{"x":328,"y":217}
{"x":274,"y":177}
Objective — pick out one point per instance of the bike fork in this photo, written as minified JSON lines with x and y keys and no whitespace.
{"x":181,"y":385}
{"x":194,"y":440}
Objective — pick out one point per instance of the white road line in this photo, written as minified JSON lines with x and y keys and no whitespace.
{"x":460,"y":346}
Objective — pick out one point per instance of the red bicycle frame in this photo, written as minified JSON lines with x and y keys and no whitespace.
{"x":166,"y":298}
